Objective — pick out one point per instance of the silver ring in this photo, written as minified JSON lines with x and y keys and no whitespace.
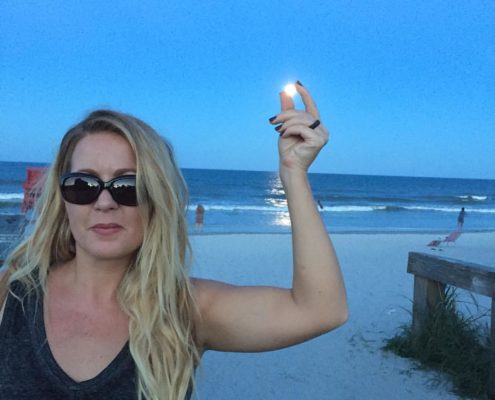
{"x":315,"y":124}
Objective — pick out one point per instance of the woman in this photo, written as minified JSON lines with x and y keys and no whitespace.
{"x":100,"y":300}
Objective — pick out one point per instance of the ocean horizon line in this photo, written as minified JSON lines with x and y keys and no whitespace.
{"x":380,"y":175}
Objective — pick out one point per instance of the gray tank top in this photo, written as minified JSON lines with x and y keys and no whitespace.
{"x":28,"y":369}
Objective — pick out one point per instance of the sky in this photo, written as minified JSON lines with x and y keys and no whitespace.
{"x":405,"y":87}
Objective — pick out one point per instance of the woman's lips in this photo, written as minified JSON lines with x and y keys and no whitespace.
{"x":106,"y":229}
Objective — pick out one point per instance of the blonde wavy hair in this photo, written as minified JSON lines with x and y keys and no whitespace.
{"x":155,"y":291}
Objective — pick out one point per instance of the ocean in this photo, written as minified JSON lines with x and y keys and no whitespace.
{"x":254,"y":202}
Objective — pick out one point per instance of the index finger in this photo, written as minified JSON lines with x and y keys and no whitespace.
{"x":309,"y":104}
{"x":286,"y":102}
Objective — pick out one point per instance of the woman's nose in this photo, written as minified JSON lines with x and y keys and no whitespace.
{"x":105,"y":201}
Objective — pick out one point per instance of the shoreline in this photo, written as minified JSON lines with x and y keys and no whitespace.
{"x":11,"y":226}
{"x":11,"y":223}
{"x":352,"y":232}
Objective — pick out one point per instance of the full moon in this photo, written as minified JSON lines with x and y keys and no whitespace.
{"x":290,"y":89}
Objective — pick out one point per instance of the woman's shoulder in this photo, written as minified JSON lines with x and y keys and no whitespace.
{"x":205,"y":289}
{"x":209,"y":294}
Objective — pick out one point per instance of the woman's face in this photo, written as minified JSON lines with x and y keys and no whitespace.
{"x":105,"y":230}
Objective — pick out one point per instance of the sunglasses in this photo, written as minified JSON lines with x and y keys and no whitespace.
{"x":80,"y":188}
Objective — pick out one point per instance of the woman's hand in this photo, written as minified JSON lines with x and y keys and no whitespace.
{"x":299,"y":144}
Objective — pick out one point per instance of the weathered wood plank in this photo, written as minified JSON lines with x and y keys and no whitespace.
{"x":476,"y":278}
{"x":427,"y":295}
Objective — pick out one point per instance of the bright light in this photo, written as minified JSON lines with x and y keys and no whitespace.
{"x":290,"y":89}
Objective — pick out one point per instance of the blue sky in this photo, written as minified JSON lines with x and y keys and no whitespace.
{"x":405,"y":87}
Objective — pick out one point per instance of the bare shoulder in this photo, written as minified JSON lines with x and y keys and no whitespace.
{"x":208,"y":287}
{"x":208,"y":294}
{"x":206,"y":291}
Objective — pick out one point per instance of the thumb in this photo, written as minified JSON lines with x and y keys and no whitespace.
{"x":286,"y":102}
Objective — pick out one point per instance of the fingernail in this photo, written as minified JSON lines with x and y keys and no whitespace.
{"x":277,"y":128}
{"x":272,"y":118}
{"x":299,"y":83}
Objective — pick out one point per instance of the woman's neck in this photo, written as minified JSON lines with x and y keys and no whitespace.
{"x":96,"y":281}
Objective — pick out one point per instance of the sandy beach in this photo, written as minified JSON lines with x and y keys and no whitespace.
{"x":344,"y":364}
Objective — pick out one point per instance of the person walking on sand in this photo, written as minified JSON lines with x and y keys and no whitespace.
{"x":200,"y":216}
{"x":460,"y":218}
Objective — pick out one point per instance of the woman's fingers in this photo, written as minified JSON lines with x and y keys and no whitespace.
{"x":292,"y":122}
{"x":288,"y":107}
{"x":308,"y":101}
{"x":293,"y":116}
{"x":284,"y":116}
{"x":301,"y":134}
{"x":302,"y":118}
{"x":319,"y":135}
{"x":286,"y":102}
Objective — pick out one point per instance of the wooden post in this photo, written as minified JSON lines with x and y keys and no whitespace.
{"x":491,"y":379}
{"x":432,"y":273}
{"x":427,"y":295}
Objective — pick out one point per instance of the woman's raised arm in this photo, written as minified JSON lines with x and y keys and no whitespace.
{"x":239,"y":318}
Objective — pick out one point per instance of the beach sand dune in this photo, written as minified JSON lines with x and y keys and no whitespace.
{"x":347,"y":363}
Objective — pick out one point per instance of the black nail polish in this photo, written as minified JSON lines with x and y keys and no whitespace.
{"x":272,"y":118}
{"x":277,"y":128}
{"x":299,"y":83}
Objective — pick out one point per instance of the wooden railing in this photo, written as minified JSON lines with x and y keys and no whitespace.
{"x":432,"y":274}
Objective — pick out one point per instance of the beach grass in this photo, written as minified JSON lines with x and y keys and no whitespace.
{"x":453,"y":343}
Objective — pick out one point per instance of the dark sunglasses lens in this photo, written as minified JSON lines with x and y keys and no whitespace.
{"x":123,"y":191}
{"x":80,"y":189}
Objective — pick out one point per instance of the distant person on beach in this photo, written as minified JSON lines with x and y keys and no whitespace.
{"x":320,"y":205}
{"x":460,"y":218}
{"x":200,"y":216}
{"x":98,"y":302}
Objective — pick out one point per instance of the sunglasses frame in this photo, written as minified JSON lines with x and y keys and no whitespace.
{"x":108,"y":185}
